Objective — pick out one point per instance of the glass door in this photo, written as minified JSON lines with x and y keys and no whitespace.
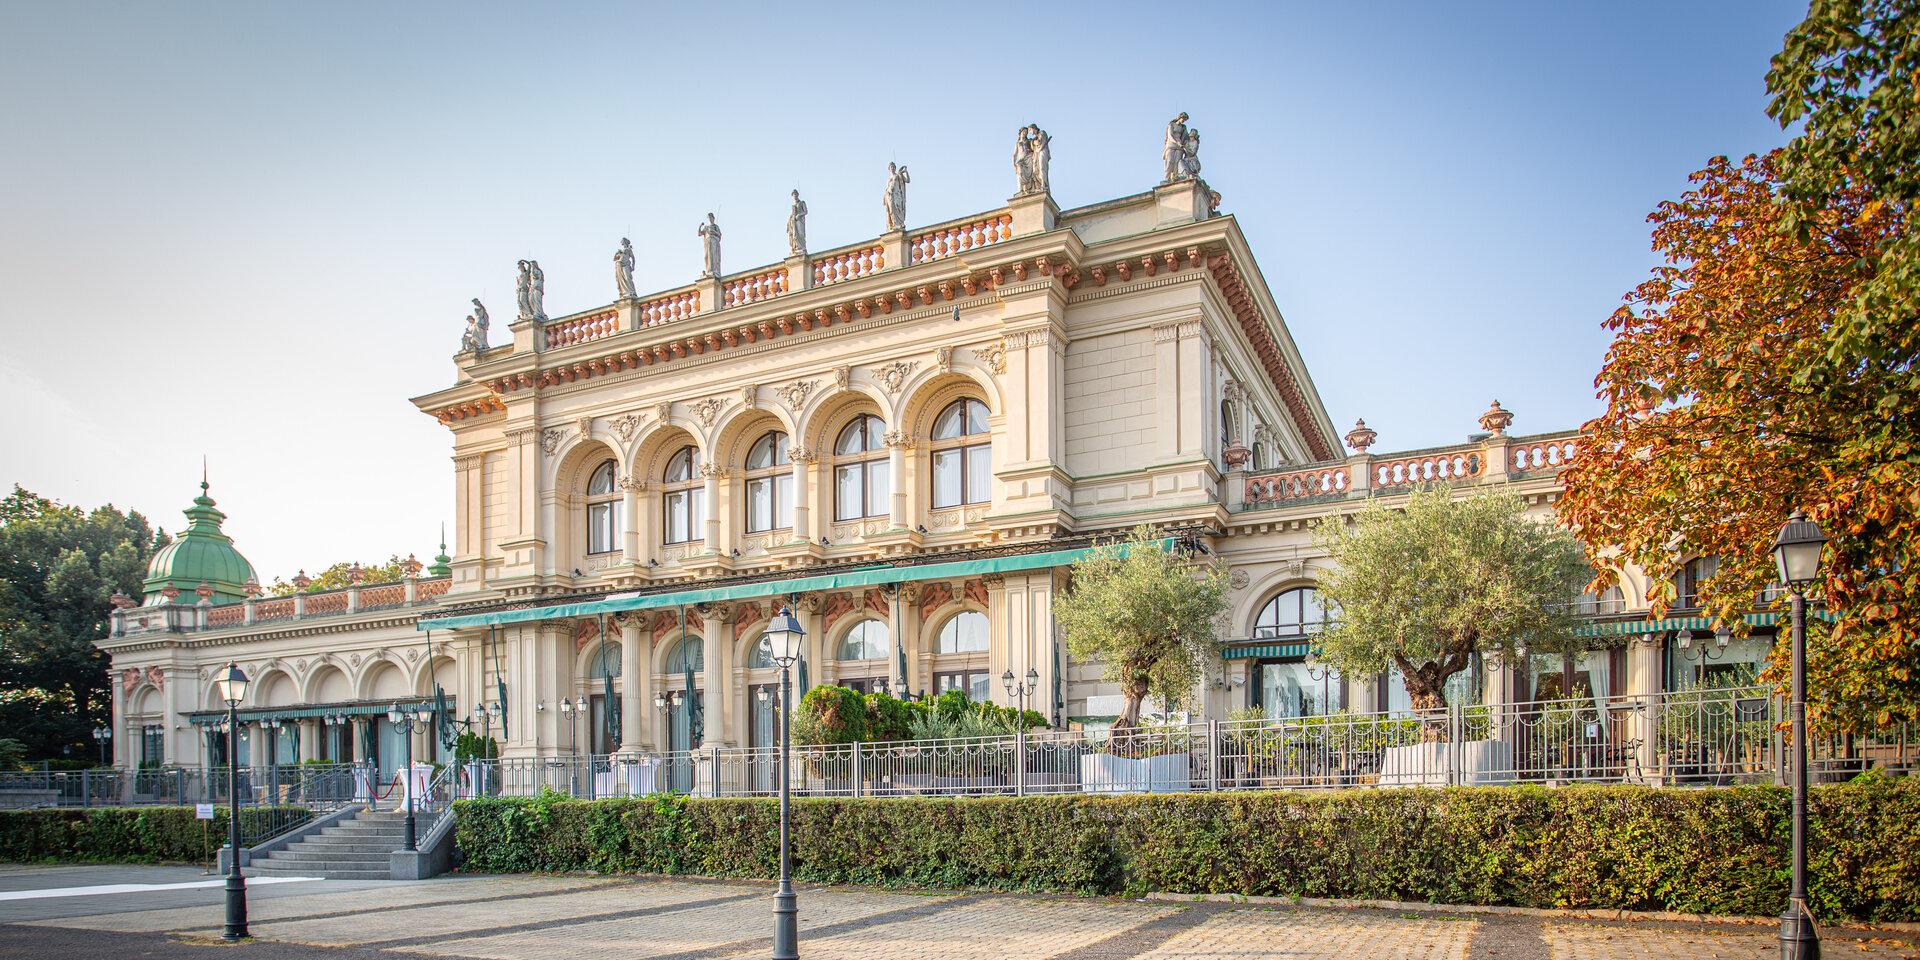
{"x":680,"y":740}
{"x":764,"y":734}
{"x":390,"y":748}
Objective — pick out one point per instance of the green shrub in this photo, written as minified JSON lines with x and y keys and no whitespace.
{"x":1699,"y":850}
{"x":116,"y":834}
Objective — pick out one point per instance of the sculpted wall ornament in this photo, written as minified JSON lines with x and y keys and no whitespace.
{"x":634,"y":483}
{"x":750,"y":397}
{"x":586,"y":427}
{"x":707,"y":411}
{"x":943,"y":359}
{"x":800,"y":454}
{"x":795,"y":394}
{"x":663,"y":412}
{"x":1238,"y":579}
{"x":626,"y":426}
{"x":842,"y":376}
{"x":893,"y":376}
{"x":550,"y":439}
{"x":994,"y":355}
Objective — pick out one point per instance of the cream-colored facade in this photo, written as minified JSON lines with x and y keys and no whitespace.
{"x":1034,"y":378}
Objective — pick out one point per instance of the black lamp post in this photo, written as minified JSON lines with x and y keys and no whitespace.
{"x":232,"y":687}
{"x":1796,"y":554}
{"x":101,"y":735}
{"x":405,"y":720}
{"x":1323,"y":674}
{"x":1721,"y":637}
{"x":784,"y":636}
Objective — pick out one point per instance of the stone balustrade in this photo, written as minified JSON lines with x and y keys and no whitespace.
{"x":258,"y":610}
{"x":226,"y":615}
{"x":754,"y":287}
{"x":383,"y":595}
{"x":848,"y":265}
{"x":1551,"y":454}
{"x":949,"y":239}
{"x":568,"y":331}
{"x":279,"y":608}
{"x":1302,"y":484}
{"x":1443,"y":467}
{"x":678,"y":305}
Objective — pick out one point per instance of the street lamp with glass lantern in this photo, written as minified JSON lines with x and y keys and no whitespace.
{"x":1319,"y":671}
{"x":231,"y":686}
{"x":101,"y":735}
{"x":784,"y":636}
{"x":406,"y":719}
{"x":1722,"y":636}
{"x":1796,"y":555}
{"x":1030,"y":686}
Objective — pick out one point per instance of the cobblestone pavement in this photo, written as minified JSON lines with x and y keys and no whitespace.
{"x":599,"y":918}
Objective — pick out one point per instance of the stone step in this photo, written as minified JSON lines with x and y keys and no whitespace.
{"x":330,"y":873}
{"x":331,"y":854}
{"x":362,"y":834}
{"x":357,"y":846}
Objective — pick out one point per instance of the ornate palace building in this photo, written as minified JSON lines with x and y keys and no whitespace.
{"x":908,"y":439}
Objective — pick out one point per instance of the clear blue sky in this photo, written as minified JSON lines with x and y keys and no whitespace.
{"x":250,"y":231}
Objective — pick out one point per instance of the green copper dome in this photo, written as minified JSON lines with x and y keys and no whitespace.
{"x":201,"y":554}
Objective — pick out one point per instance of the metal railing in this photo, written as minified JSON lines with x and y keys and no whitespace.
{"x":1703,"y":736}
{"x":1680,"y":738}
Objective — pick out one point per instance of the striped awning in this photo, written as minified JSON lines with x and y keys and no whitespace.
{"x":306,"y":712}
{"x":1253,"y":651}
{"x":1630,"y":627}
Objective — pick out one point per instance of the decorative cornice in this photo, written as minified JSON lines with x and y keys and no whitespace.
{"x":1227,"y":275}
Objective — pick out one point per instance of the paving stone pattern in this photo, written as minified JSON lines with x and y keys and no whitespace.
{"x":598,"y":918}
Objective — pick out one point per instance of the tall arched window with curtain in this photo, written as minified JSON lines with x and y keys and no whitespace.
{"x":863,"y":655}
{"x":683,"y":504}
{"x":603,"y":510}
{"x":769,"y":484}
{"x":959,"y":656}
{"x":862,"y":479}
{"x":962,"y":455}
{"x":1285,"y":684}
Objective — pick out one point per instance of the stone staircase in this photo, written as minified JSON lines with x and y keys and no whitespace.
{"x":356,"y":848}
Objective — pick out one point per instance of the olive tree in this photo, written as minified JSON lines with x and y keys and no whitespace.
{"x":1149,"y":613}
{"x":1424,"y":587}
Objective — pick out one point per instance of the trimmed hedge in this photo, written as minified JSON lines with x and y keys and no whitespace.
{"x":113,"y":835}
{"x":1696,"y":850}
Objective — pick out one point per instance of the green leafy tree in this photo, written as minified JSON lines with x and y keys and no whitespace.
{"x":340,"y":576}
{"x":59,"y":565}
{"x":1423,"y":588}
{"x":1150,"y":614}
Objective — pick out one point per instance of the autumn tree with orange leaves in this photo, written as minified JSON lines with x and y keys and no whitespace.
{"x":1773,"y":362}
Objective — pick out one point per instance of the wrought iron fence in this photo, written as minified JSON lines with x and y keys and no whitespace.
{"x":1688,"y":737}
{"x":1703,"y":736}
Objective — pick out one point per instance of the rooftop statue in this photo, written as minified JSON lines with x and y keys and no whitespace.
{"x":474,"y":340}
{"x":895,"y":197}
{"x":1179,"y":153}
{"x":623,"y":269}
{"x":536,"y":292}
{"x":797,"y":226}
{"x":710,"y":241}
{"x":523,"y":292}
{"x":1031,"y":154}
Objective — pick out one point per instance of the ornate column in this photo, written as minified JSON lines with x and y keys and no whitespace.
{"x":907,"y":630}
{"x":1645,"y":677}
{"x":898,"y":442}
{"x":635,"y":673}
{"x":807,"y":611}
{"x":710,"y":475}
{"x":716,"y":688}
{"x":635,"y":538}
{"x":802,"y":514}
{"x":309,"y":739}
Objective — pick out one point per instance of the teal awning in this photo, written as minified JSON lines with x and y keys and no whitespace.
{"x":1251,"y":651}
{"x":862,"y":577}
{"x":305,"y":712}
{"x":1630,"y":627}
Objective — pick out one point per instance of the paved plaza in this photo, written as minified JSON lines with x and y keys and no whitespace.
{"x":175,"y":912}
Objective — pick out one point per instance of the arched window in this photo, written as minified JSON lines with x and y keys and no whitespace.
{"x":962,"y":461}
{"x":966,"y":632}
{"x":1259,"y":455}
{"x":866,"y":641}
{"x":769,"y":484}
{"x":603,"y":510}
{"x":1294,"y":613}
{"x":1226,"y":424}
{"x":686,"y":655}
{"x":761,"y":656}
{"x":606,"y":662}
{"x":862,"y":482}
{"x":1697,"y":571}
{"x":685,"y":503}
